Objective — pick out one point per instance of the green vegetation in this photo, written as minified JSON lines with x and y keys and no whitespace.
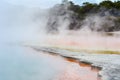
{"x":106,"y":8}
{"x":107,"y":13}
{"x":88,"y":7}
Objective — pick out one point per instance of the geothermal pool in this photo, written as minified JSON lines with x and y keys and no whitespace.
{"x":86,"y":41}
{"x":23,"y":63}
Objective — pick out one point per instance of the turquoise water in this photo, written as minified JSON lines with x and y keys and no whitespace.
{"x":21,"y":63}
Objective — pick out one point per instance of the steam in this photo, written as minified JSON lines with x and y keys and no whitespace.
{"x":20,"y":23}
{"x":62,"y":20}
{"x":98,"y":23}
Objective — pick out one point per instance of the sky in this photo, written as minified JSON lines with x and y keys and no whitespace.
{"x":44,"y":3}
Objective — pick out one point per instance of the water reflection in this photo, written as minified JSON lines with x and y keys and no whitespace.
{"x":21,"y":63}
{"x":79,"y":71}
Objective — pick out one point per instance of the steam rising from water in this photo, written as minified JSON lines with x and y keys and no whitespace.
{"x":19,"y":23}
{"x":23,"y":24}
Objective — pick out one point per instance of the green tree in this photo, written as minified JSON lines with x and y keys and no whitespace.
{"x":88,"y":7}
{"x":117,"y":4}
{"x":107,"y":4}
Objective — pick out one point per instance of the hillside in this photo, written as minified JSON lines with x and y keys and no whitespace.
{"x":104,"y":16}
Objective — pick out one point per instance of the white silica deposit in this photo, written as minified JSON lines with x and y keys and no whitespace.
{"x":109,"y":63}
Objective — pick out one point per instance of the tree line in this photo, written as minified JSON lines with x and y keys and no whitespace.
{"x":88,"y":7}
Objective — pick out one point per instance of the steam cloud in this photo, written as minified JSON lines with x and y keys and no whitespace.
{"x":18,"y":23}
